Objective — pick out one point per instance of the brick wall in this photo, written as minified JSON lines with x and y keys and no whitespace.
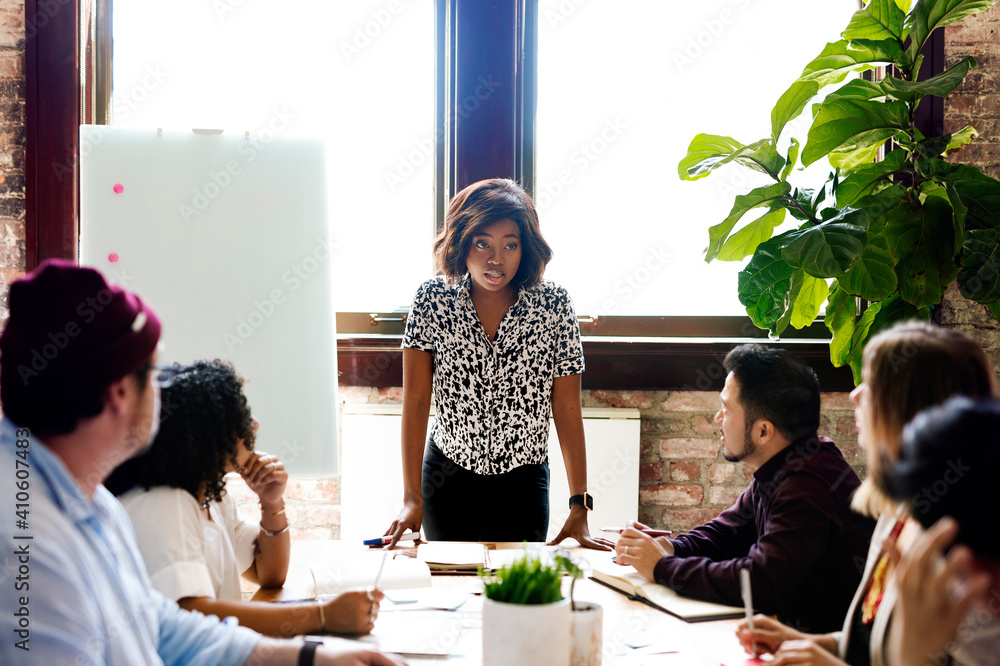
{"x":976,"y":103}
{"x":12,"y":260}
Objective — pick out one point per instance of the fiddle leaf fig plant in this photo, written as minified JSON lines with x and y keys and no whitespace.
{"x":894,"y":224}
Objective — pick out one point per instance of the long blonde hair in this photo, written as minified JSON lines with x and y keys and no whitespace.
{"x":907,"y":368}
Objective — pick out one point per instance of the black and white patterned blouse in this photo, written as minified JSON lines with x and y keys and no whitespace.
{"x":493,"y":401}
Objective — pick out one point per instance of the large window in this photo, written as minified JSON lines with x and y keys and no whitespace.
{"x":357,"y":74}
{"x":623,"y":87}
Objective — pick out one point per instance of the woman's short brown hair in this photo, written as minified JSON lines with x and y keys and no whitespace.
{"x":908,"y":368}
{"x":480,"y":205}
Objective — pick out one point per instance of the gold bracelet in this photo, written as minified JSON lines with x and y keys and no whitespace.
{"x":268,"y":532}
{"x":322,"y":617}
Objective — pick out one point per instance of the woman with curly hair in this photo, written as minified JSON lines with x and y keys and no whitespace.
{"x":190,"y":533}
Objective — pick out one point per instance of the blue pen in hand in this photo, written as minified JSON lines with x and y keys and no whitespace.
{"x":383,"y":540}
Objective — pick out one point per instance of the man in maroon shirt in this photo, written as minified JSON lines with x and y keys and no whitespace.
{"x":793,"y":527}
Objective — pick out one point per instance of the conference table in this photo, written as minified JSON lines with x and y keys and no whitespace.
{"x":633,"y":633}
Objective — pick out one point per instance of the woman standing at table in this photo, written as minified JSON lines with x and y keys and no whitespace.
{"x":190,"y":534}
{"x":909,"y":367}
{"x":499,"y":351}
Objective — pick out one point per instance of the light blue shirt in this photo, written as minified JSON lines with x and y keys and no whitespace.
{"x":73,"y":586}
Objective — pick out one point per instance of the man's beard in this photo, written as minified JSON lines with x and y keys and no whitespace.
{"x":749,"y":448}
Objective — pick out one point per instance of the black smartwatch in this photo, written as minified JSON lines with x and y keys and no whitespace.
{"x":307,"y":656}
{"x":586,"y":500}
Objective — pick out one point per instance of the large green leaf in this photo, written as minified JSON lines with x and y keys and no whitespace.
{"x":961,"y":138}
{"x":860,"y":336}
{"x":856,"y":89}
{"x":809,"y":299}
{"x":959,"y":213}
{"x":880,"y":316}
{"x":979,"y":193}
{"x":880,"y":19}
{"x":790,"y":104}
{"x":979,"y":277}
{"x":745,"y":241}
{"x":994,"y":309}
{"x":928,"y":15}
{"x":864,"y":180}
{"x":827,"y":250}
{"x":793,"y":156}
{"x":756,"y":198}
{"x":837,"y":60}
{"x":921,"y":239}
{"x":764,"y":285}
{"x":883,"y":206}
{"x":855,"y":157}
{"x":871,"y":276}
{"x":708,"y":152}
{"x":847,"y":124}
{"x":841,"y":313}
{"x":940,"y":85}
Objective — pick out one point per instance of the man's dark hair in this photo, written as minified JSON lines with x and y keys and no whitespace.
{"x":203,"y":415}
{"x":777,"y":386}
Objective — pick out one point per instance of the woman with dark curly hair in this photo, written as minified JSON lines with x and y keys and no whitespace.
{"x":189,"y":530}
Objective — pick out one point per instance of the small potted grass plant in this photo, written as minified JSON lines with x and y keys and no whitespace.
{"x":526,"y":619}
{"x":587,"y":624}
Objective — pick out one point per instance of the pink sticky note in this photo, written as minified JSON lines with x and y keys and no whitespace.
{"x":113,"y":257}
{"x":119,"y":188}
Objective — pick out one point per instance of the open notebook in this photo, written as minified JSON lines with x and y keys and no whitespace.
{"x":451,"y":557}
{"x":632,"y":584}
{"x":359,"y":571}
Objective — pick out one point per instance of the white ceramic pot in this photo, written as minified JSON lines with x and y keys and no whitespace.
{"x":587,"y":634}
{"x":526,"y":634}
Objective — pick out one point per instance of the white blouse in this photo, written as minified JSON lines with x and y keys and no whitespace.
{"x":493,"y":400}
{"x":186,"y":554}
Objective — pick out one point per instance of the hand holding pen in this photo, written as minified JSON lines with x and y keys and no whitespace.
{"x":648,"y":531}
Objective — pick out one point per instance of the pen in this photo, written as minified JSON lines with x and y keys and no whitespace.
{"x":381,"y":541}
{"x":747,"y":603}
{"x":652,"y":533}
{"x":381,"y":567}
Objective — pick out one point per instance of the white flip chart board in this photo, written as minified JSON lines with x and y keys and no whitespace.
{"x":226,"y":236}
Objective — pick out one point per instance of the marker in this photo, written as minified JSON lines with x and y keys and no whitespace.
{"x":747,"y":602}
{"x":381,"y":541}
{"x":652,"y":533}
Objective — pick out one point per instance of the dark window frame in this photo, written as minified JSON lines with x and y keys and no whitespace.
{"x":655,"y":358}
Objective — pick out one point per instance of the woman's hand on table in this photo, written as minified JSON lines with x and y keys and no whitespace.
{"x":352,"y":612}
{"x":409,"y":520}
{"x":266,"y":476}
{"x":768,"y":634}
{"x":640,"y":550}
{"x":804,"y":651}
{"x":576,"y":527}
